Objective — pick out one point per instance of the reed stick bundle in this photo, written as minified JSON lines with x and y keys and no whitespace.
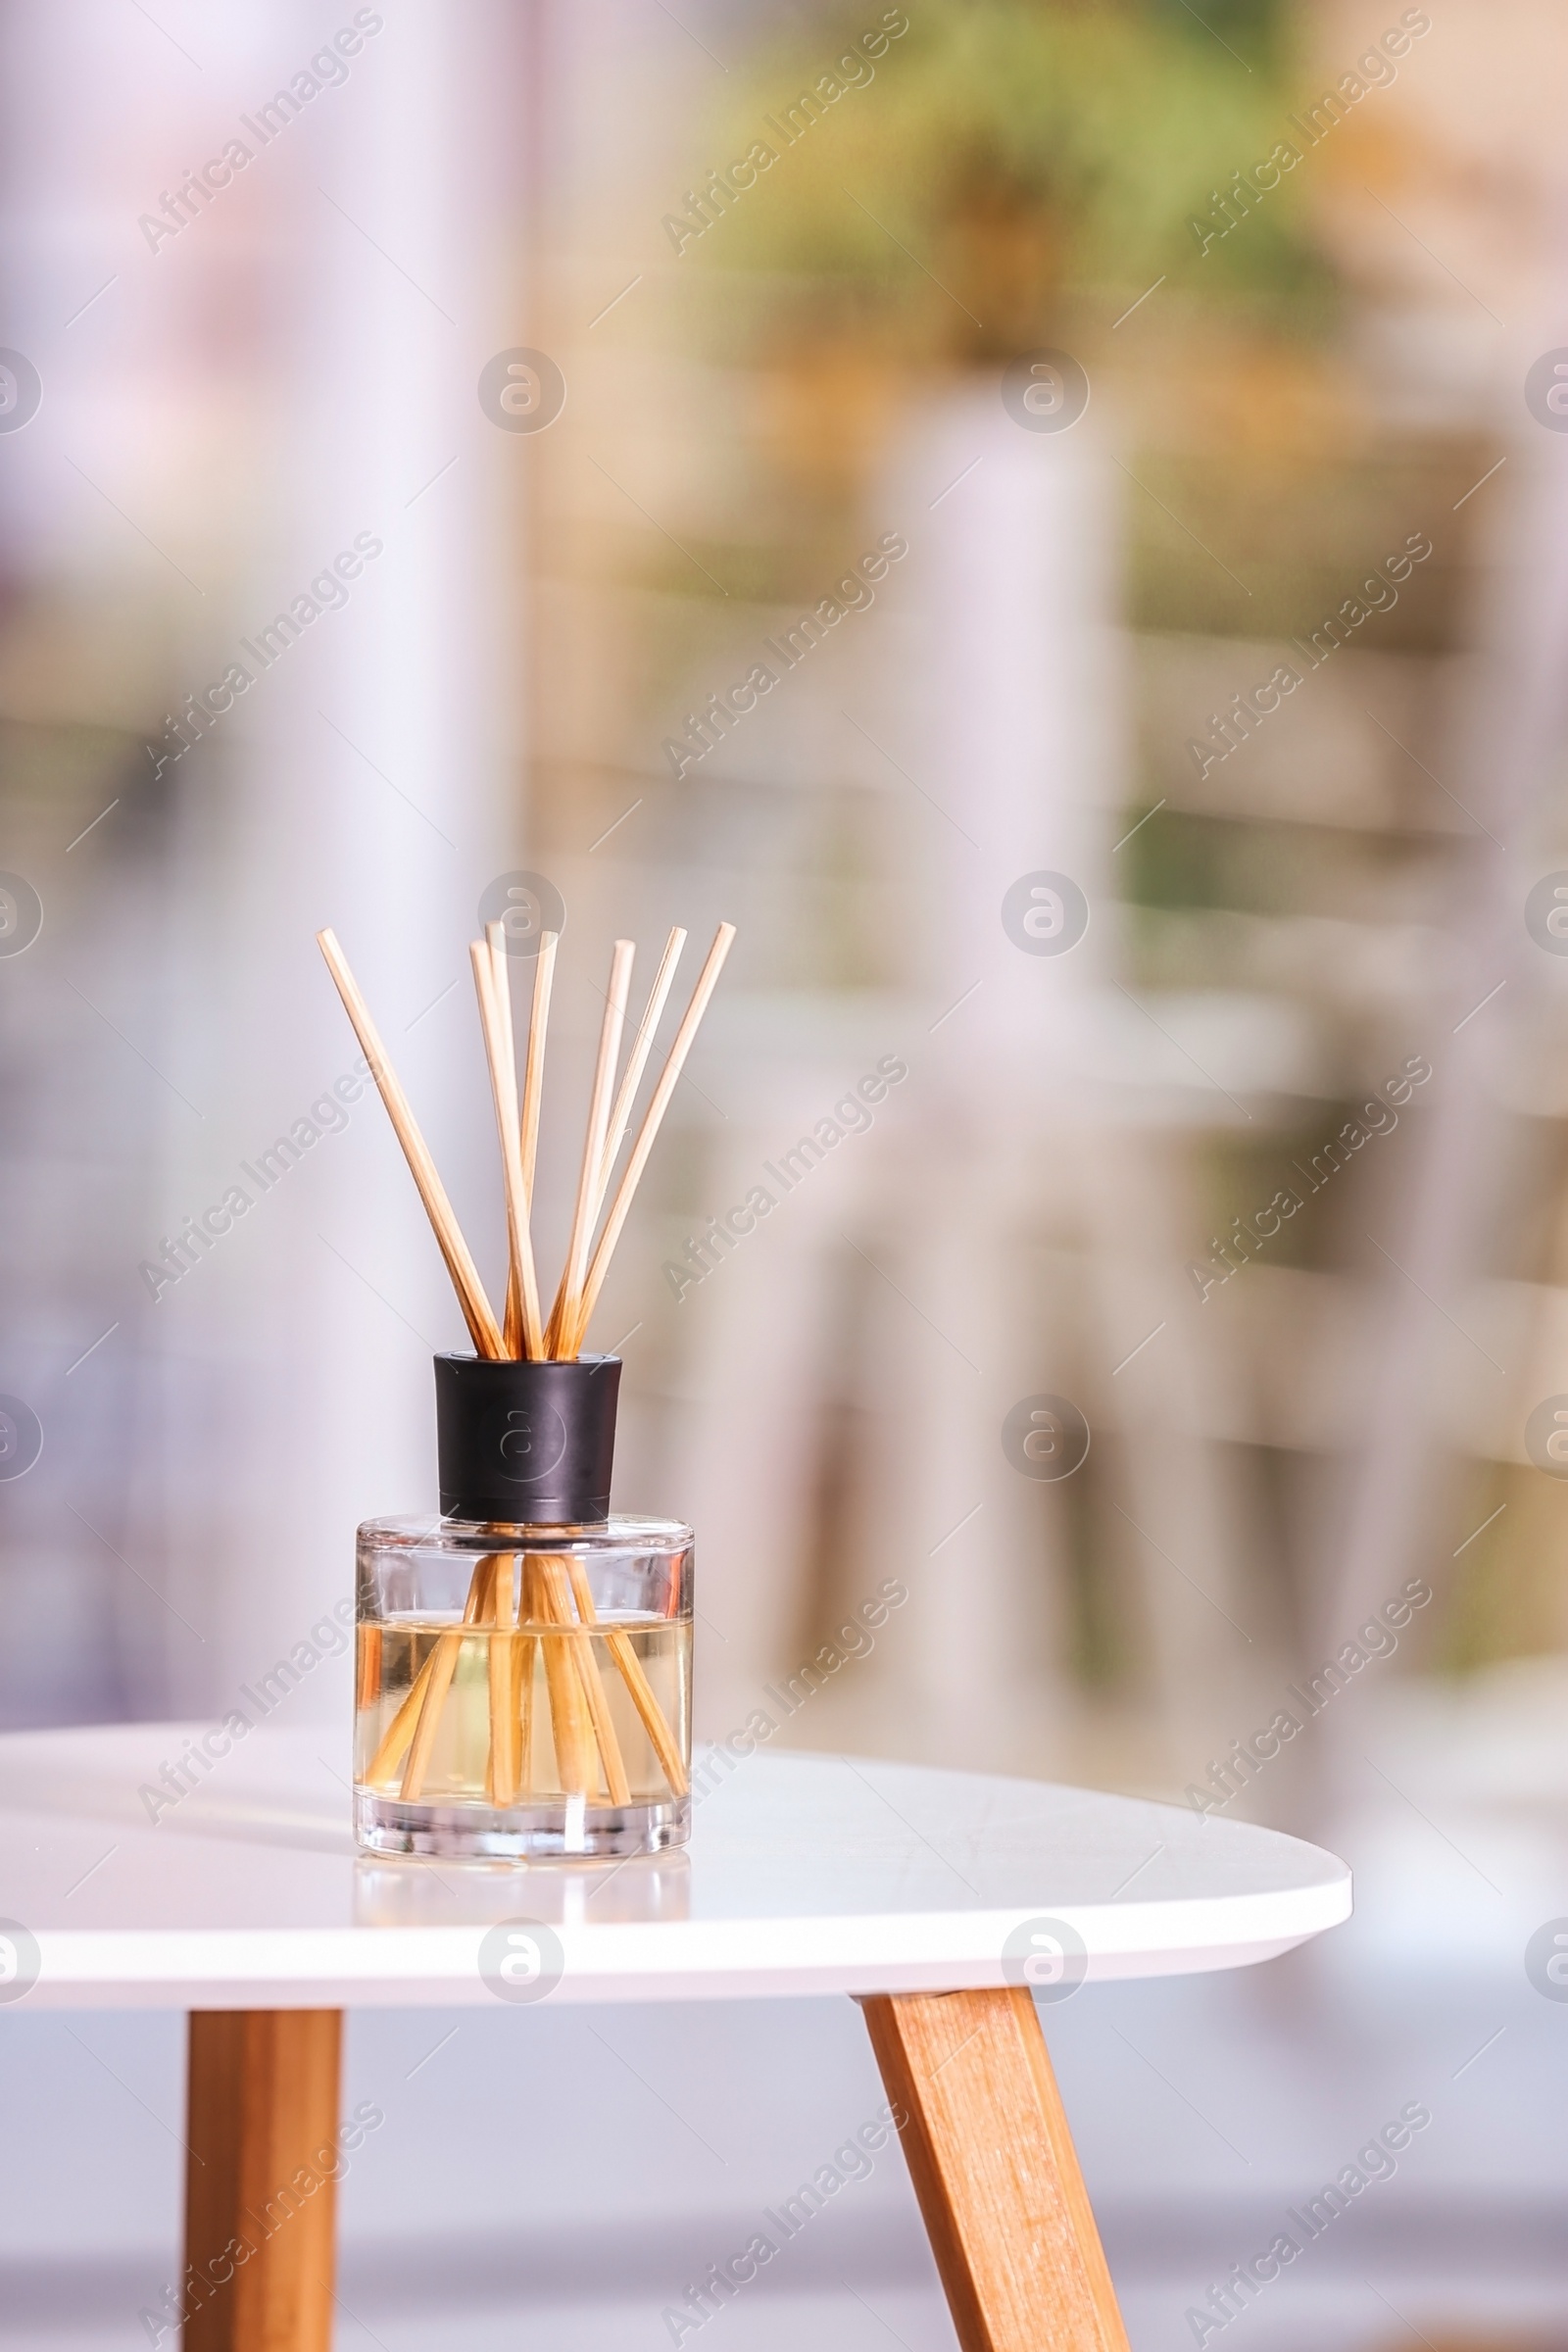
{"x":546,"y":1606}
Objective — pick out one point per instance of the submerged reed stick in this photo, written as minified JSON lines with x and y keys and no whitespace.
{"x":522,"y":1661}
{"x":575,"y":1766}
{"x":501,"y":1773}
{"x":639,"y":1688}
{"x":617,"y":1784}
{"x":402,"y":1730}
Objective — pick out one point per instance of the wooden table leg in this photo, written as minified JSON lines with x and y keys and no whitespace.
{"x":261,"y":2173}
{"x":995,"y":2171}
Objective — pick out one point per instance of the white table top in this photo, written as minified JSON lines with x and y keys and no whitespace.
{"x":806,"y":1875}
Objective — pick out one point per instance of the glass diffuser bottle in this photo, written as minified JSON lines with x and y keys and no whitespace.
{"x":523,"y":1663}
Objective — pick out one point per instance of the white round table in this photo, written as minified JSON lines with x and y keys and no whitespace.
{"x":143,"y":1868}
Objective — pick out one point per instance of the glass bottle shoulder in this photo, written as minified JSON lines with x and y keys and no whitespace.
{"x":624,"y":1531}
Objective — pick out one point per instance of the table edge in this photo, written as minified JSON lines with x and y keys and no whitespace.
{"x":373,"y":1967}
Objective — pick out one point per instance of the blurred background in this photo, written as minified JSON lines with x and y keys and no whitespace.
{"x":1054,"y":518}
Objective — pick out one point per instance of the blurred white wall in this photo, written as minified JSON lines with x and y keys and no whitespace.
{"x":289,"y":376}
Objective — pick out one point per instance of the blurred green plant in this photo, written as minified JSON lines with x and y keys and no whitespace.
{"x":1011,"y":153}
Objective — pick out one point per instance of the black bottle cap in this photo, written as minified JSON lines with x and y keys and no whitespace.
{"x":522,"y":1442}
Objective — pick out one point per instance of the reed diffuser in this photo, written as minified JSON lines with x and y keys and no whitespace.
{"x":523,"y":1662}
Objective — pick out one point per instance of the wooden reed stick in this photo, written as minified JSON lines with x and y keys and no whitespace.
{"x":369,"y":1667}
{"x":477,"y":1313}
{"x":501,"y":970}
{"x":572,"y":1732}
{"x":569,"y":1343}
{"x":395,"y":1740}
{"x":501,"y":1773}
{"x":564,"y":1314}
{"x":521,"y":1278}
{"x":522,"y":1661}
{"x":616,"y":1781}
{"x":448,"y":1652}
{"x":533,"y":1076}
{"x":636,"y":1060}
{"x":640,"y":1689}
{"x":390,"y":1753}
{"x":512,"y":1333}
{"x":490,"y":1021}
